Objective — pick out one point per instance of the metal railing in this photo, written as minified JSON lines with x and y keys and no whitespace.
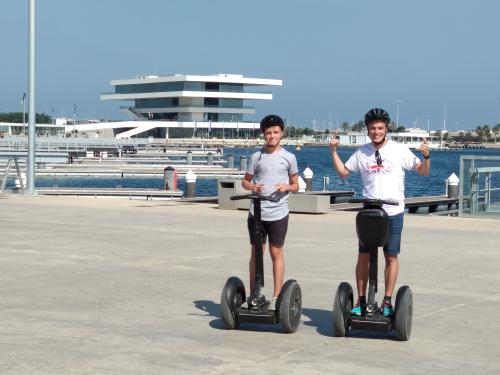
{"x":479,"y":190}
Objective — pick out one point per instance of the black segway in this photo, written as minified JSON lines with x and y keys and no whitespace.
{"x":372,"y":227}
{"x":289,"y":304}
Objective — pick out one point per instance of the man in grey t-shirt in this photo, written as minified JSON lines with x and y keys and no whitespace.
{"x":272,"y":169}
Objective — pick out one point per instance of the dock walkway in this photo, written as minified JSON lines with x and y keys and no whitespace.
{"x":108,"y":286}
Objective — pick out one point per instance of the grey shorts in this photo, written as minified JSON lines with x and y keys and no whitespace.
{"x":275,"y":230}
{"x":393,"y":245}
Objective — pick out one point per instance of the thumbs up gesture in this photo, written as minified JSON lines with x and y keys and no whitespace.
{"x":424,"y":148}
{"x":334,"y":141}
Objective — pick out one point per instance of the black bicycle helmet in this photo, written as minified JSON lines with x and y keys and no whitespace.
{"x":377,"y":114}
{"x":271,"y":120}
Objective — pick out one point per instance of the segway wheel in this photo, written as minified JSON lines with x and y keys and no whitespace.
{"x":233,"y":295}
{"x":290,"y":306}
{"x":342,"y":305}
{"x":403,"y":313}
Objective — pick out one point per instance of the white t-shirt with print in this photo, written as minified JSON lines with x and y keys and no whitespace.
{"x":386,"y":181}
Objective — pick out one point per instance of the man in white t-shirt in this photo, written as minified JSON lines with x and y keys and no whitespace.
{"x":382,"y":164}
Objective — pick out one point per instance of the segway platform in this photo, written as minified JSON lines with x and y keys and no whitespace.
{"x":375,"y":322}
{"x":259,"y":315}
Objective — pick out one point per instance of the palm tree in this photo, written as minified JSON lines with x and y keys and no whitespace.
{"x":486,"y":132}
{"x":479,"y":132}
{"x":345,"y":126}
{"x":496,"y":130}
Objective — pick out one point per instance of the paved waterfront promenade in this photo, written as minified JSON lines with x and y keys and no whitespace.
{"x":114,"y":286}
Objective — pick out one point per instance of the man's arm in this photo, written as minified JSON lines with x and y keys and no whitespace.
{"x":292,"y":186}
{"x":249,"y":185}
{"x":423,"y":168}
{"x":338,"y":164}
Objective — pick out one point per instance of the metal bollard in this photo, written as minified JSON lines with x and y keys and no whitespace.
{"x":451,"y":184}
{"x":169,"y":178}
{"x":326,"y":182}
{"x":302,"y":185}
{"x":189,"y":158}
{"x":243,"y":163}
{"x":308,"y":178}
{"x":190,"y":191}
{"x":210,"y":158}
{"x":230,"y":161}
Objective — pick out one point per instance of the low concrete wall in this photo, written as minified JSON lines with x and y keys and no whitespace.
{"x":308,"y":203}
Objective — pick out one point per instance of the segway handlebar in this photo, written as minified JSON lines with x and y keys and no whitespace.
{"x":273,"y":197}
{"x":376,"y":202}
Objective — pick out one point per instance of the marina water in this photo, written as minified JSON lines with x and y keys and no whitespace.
{"x":317,"y":158}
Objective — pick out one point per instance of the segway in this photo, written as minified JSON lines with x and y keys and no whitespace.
{"x":289,"y":304}
{"x":372,"y":227}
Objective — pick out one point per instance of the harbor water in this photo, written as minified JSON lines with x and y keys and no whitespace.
{"x":317,"y":158}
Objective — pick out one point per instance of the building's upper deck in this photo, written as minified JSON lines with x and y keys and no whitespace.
{"x":215,"y":78}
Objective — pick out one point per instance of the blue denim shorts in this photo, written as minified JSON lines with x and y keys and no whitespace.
{"x":393,"y":245}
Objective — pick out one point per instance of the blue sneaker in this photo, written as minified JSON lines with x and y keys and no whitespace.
{"x":387,"y":309}
{"x":359,"y":309}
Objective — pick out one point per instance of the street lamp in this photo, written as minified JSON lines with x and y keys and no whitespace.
{"x":499,"y":113}
{"x":23,"y":102}
{"x":74,"y":120}
{"x":398,"y":101}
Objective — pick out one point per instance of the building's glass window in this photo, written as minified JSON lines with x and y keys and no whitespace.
{"x":231,"y":103}
{"x":149,"y":87}
{"x":161,"y":116}
{"x":211,"y":86}
{"x":178,"y":86}
{"x":157,"y":103}
{"x":211,"y":102}
{"x":194,"y":86}
{"x":230,"y":117}
{"x":231,"y":87}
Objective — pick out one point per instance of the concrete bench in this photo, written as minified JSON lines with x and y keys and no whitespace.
{"x":309,"y":203}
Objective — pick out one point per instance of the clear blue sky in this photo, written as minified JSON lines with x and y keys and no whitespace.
{"x":338,"y":57}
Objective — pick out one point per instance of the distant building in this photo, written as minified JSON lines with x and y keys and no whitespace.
{"x":212,"y":103}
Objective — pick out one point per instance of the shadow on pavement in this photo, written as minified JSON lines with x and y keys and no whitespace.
{"x":322,"y":321}
{"x":213,"y":309}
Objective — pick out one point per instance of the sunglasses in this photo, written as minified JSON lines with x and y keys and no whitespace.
{"x":378,"y":157}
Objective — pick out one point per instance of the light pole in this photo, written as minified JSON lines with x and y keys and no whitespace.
{"x":23,"y":102}
{"x":498,"y":114}
{"x":398,"y":101}
{"x":30,"y":183}
{"x":74,"y":120}
{"x":444,"y":118}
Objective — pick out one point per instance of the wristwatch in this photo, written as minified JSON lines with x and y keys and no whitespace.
{"x":428,"y":156}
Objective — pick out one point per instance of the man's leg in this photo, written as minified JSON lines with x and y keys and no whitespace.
{"x":391,"y":251}
{"x":251,"y":266}
{"x":277,"y":233}
{"x":362,"y":269}
{"x":390,"y":273}
{"x":278,"y":267}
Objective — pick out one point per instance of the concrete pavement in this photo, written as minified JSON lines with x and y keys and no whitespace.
{"x":113,"y":286}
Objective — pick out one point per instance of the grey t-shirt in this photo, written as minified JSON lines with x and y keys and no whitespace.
{"x":270,"y":170}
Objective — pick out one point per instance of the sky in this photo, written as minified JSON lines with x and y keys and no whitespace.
{"x":337,"y":59}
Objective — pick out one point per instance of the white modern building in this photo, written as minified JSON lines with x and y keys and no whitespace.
{"x":214,"y":104}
